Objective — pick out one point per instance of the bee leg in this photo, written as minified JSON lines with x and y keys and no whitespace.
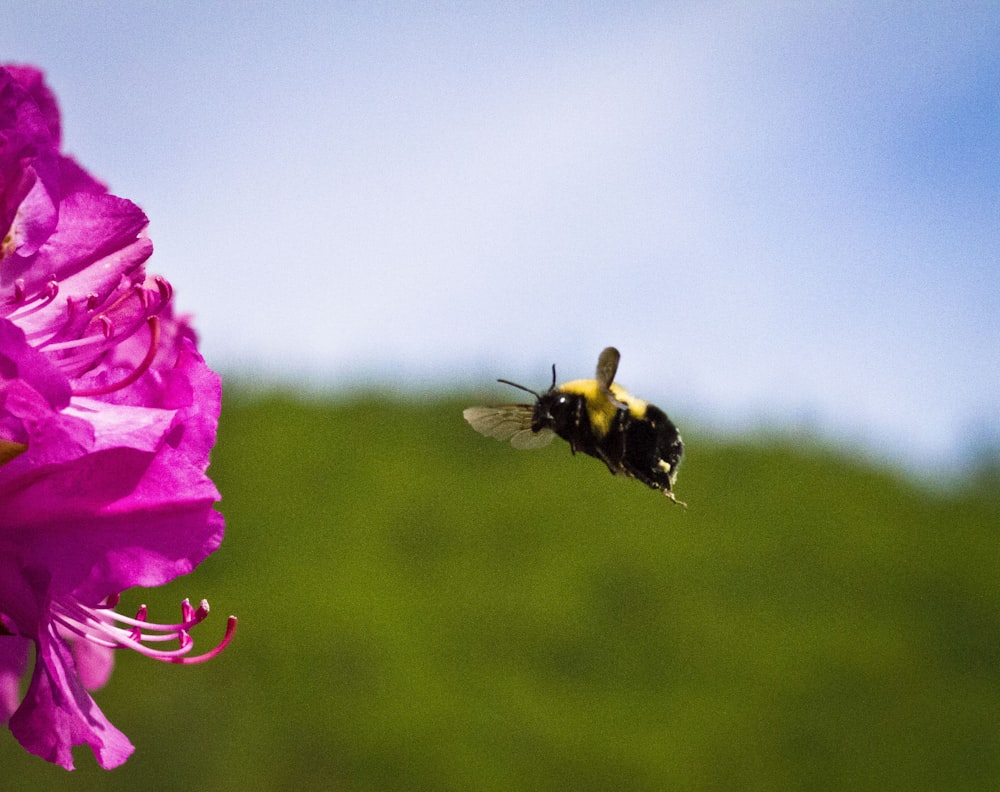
{"x":615,"y":469}
{"x":577,"y":415}
{"x":672,"y":497}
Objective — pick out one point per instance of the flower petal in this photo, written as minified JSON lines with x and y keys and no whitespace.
{"x":58,"y":713}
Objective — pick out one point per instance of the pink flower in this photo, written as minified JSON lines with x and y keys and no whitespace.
{"x":107,"y":418}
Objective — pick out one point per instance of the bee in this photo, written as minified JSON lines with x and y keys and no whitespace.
{"x":596,"y":417}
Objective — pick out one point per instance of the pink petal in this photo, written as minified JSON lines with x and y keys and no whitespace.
{"x":58,"y":713}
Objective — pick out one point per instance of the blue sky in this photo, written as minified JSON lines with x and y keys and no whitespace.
{"x":780,"y":213}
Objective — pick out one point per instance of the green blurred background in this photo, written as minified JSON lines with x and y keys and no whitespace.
{"x":423,"y":608}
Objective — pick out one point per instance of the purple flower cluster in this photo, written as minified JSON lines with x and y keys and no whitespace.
{"x":107,"y":417}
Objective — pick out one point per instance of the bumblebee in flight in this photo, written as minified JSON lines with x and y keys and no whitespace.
{"x":597,"y":417}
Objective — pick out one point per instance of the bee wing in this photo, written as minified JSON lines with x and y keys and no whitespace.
{"x":607,"y":367}
{"x":526,"y":439}
{"x":508,"y":422}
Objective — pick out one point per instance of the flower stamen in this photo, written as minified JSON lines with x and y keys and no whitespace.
{"x":100,"y":626}
{"x":43,"y":298}
{"x":154,"y":341}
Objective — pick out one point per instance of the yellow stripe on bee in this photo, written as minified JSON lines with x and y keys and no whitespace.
{"x":600,"y":409}
{"x":637,"y":407}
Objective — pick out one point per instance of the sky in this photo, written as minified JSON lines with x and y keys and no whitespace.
{"x":785,"y":215}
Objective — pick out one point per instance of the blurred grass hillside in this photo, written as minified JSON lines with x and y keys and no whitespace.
{"x":423,"y":608}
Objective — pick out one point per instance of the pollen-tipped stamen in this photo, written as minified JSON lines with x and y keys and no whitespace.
{"x":43,"y":299}
{"x":100,"y":626}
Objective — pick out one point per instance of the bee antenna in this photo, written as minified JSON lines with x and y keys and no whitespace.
{"x":520,"y":387}
{"x":553,"y":376}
